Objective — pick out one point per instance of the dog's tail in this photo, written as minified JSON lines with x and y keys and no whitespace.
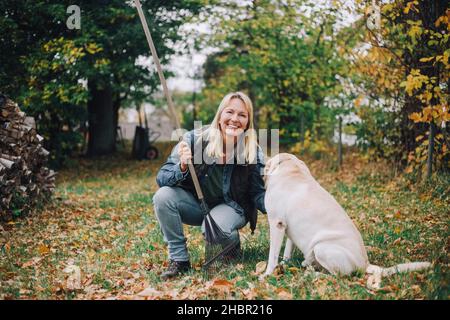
{"x":403,"y":267}
{"x":376,"y":272}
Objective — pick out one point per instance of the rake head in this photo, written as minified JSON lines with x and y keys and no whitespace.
{"x":219,"y":249}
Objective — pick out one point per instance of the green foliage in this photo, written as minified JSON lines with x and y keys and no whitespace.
{"x":286,"y":60}
{"x":47,"y":68}
{"x":376,"y":131}
{"x":54,"y":96}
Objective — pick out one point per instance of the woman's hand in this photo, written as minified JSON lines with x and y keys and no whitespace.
{"x":185,"y":155}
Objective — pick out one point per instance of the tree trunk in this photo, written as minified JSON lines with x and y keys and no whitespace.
{"x":194,"y":112}
{"x":302,"y":126}
{"x":430,"y":151}
{"x":101,"y":120}
{"x":251,"y":95}
{"x":340,"y":144}
{"x":116,"y":107}
{"x":429,"y":11}
{"x":318,"y":123}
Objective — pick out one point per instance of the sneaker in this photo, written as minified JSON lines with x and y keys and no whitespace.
{"x":175,"y":268}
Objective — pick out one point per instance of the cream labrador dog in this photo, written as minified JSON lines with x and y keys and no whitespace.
{"x":314,"y":222}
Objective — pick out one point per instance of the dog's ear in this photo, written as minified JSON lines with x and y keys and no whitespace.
{"x":271,"y":165}
{"x":301,"y":165}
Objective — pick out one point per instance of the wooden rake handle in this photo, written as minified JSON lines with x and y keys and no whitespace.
{"x":167,"y":93}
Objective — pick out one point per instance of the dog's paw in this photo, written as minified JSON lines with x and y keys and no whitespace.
{"x":374,"y":281}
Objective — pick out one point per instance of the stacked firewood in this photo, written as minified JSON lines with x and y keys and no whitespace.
{"x":25,"y":181}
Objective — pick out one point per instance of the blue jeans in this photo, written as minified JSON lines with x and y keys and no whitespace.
{"x":175,"y":206}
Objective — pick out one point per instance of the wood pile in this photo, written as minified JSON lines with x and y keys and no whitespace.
{"x":25,"y":181}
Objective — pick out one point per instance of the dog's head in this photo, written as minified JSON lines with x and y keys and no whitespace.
{"x":284,"y":164}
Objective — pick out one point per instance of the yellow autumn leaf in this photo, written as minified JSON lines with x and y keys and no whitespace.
{"x":428,"y":95}
{"x":414,"y":81}
{"x":426,"y":59}
{"x":446,"y":116}
{"x":415,"y":116}
{"x":414,"y":32}
{"x":43,"y":249}
{"x":409,"y":169}
{"x":442,"y":19}
{"x":427,"y":111}
{"x":293,"y":269}
{"x":93,"y":48}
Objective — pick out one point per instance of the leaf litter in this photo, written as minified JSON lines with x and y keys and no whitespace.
{"x":99,"y":239}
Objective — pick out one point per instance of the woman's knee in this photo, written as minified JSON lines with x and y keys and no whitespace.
{"x":163,"y":196}
{"x":227,"y":218}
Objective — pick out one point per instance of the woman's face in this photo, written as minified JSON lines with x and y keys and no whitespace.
{"x":234,"y":118}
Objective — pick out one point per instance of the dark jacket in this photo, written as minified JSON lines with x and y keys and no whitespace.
{"x":243,"y":186}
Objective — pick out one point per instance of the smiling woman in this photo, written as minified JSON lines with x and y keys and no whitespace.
{"x":233,"y":117}
{"x":229,"y":175}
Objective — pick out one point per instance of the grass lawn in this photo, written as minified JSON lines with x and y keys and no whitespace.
{"x":101,"y":222}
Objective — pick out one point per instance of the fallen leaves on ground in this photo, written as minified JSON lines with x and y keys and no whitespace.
{"x":100,"y":239}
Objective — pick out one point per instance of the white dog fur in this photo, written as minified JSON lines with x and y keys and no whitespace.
{"x":312,"y":219}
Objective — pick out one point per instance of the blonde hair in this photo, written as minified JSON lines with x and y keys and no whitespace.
{"x":215,"y":136}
